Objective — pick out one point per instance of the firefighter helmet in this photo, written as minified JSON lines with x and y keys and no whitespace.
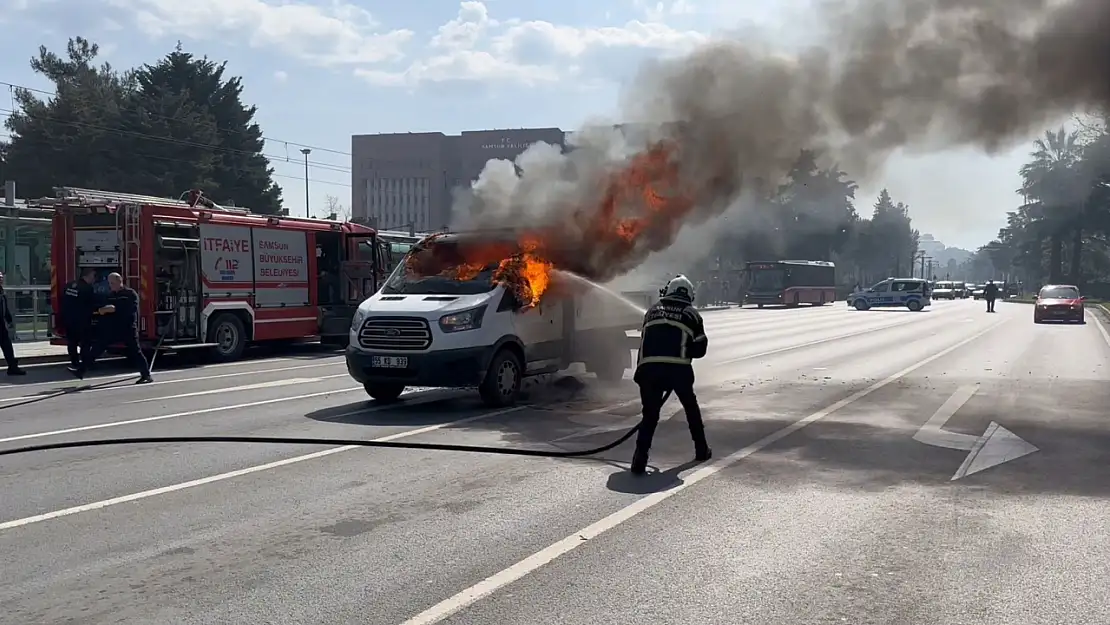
{"x":680,"y":287}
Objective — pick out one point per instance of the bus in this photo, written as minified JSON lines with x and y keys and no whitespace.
{"x":790,"y":283}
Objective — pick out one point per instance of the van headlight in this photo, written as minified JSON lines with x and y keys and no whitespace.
{"x":465,"y":320}
{"x":360,"y":316}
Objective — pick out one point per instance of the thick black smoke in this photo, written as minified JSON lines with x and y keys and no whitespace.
{"x":929,"y":74}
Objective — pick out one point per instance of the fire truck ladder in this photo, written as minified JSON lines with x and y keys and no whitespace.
{"x":96,"y":196}
{"x":132,"y":245}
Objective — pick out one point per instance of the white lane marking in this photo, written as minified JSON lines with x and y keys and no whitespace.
{"x":84,"y":390}
{"x":1098,"y":324}
{"x":97,"y":505}
{"x":503,"y":578}
{"x":100,"y":379}
{"x":245,"y":387}
{"x":422,"y":396}
{"x":190,"y":413}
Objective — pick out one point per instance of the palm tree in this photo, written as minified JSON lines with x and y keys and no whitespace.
{"x":1055,"y":195}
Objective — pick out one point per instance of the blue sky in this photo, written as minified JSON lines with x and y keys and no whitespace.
{"x":320,"y":71}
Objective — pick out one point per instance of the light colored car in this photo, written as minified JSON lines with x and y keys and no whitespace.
{"x":913,"y":293}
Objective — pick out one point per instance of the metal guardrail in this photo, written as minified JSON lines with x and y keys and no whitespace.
{"x":31,"y":312}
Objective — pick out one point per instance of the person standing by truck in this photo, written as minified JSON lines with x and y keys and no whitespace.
{"x":5,"y":336}
{"x":78,"y":306}
{"x":119,"y":323}
{"x":673,"y":335}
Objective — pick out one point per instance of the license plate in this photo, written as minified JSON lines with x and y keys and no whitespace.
{"x":390,"y":362}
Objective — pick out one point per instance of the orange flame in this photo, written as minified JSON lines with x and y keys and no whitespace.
{"x":645,"y":199}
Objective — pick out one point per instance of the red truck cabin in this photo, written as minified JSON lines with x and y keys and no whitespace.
{"x":215,"y":277}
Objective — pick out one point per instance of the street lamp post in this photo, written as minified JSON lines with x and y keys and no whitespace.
{"x":306,"y":152}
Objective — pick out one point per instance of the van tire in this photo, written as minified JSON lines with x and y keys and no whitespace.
{"x":914,"y":305}
{"x":860,"y":304}
{"x":501,"y":386}
{"x":384,"y":391}
{"x":227,"y":331}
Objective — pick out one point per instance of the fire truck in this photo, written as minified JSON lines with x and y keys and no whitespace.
{"x":214,"y":277}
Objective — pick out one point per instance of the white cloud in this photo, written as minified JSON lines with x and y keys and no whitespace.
{"x":281,"y":76}
{"x":473,"y":46}
{"x":476,"y":47}
{"x":328,"y":35}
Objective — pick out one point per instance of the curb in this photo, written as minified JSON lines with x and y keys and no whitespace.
{"x":44,"y":359}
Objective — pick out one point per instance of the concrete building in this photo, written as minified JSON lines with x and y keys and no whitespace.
{"x":408,"y":178}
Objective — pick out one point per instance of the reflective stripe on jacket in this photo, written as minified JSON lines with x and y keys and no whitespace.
{"x":673,"y":333}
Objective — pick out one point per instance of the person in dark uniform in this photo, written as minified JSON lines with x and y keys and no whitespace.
{"x":78,"y":306}
{"x":990,"y":293}
{"x":673,"y":335}
{"x":119,"y":322}
{"x":5,"y":337}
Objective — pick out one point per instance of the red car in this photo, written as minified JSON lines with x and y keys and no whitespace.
{"x":1058,"y":302}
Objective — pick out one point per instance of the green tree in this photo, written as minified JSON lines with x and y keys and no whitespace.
{"x":158,"y":130}
{"x":890,"y":238}
{"x":235,"y":168}
{"x":816,"y":209}
{"x":74,"y":137}
{"x":1055,"y":194}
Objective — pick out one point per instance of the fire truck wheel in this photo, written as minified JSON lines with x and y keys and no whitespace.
{"x":501,"y":386}
{"x":228,"y":334}
{"x":384,"y":392}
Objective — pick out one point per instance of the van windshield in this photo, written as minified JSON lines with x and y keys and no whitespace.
{"x":447,"y":280}
{"x":1059,"y":292}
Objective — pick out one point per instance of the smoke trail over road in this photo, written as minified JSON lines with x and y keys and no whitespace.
{"x":730,"y":118}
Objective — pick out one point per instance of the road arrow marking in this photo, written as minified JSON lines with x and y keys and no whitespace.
{"x":996,"y":446}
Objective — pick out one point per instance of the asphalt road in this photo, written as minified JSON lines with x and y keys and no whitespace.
{"x":947,"y":467}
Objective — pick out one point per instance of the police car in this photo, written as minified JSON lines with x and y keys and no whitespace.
{"x":913,"y":293}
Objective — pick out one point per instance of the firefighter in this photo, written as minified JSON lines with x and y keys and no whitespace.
{"x":673,"y":335}
{"x":5,"y":336}
{"x":119,"y":322}
{"x":78,"y":306}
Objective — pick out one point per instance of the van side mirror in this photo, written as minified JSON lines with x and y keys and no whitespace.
{"x":1082,"y":298}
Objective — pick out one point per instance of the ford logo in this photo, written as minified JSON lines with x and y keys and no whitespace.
{"x":393,"y":332}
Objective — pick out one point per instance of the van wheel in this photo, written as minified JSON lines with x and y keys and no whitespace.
{"x":384,"y":391}
{"x":861,"y":305}
{"x":501,"y":386}
{"x":913,"y":305}
{"x":227,"y":332}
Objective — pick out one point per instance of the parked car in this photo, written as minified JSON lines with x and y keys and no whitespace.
{"x":1059,"y":302}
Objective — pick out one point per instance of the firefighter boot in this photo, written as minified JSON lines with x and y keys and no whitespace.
{"x":639,"y":461}
{"x":702,"y":452}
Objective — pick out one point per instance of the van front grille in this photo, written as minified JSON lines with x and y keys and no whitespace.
{"x":395,"y":334}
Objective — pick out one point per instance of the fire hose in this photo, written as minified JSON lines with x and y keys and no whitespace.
{"x":337,"y":442}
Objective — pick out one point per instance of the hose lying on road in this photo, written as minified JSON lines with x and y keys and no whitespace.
{"x":337,"y":442}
